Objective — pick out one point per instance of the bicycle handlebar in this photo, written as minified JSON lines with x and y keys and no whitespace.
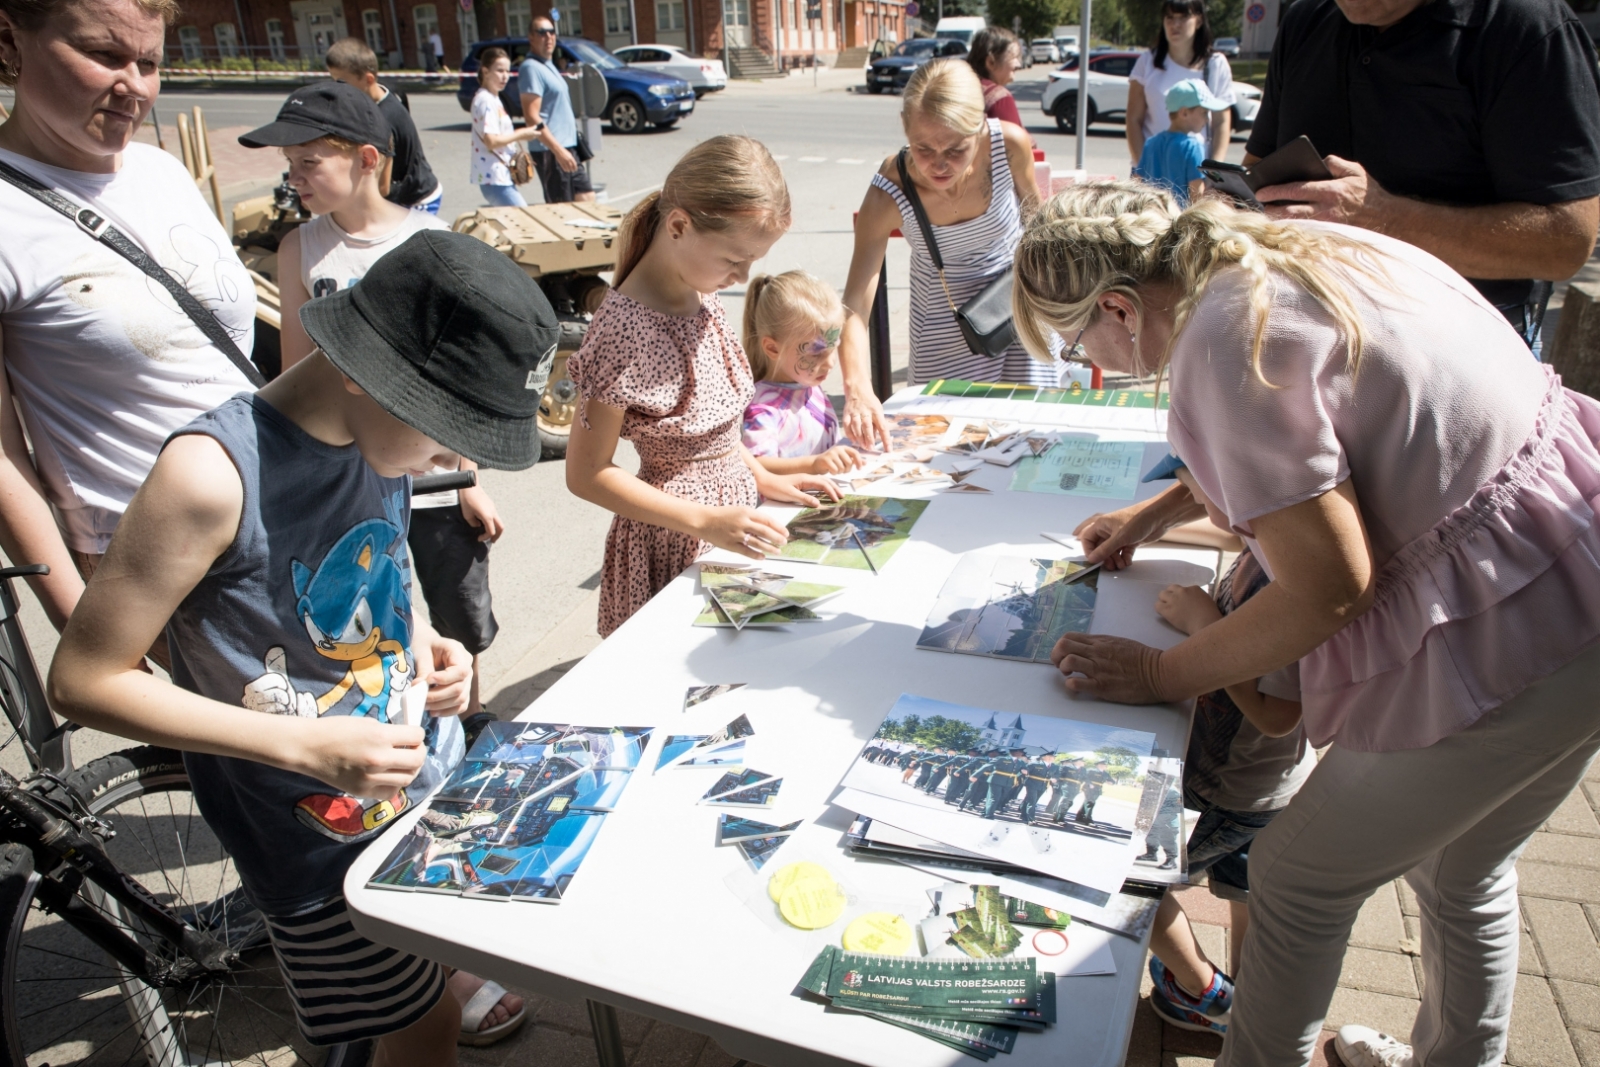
{"x":443,"y":483}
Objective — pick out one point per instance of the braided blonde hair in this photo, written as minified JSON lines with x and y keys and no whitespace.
{"x":1116,"y":237}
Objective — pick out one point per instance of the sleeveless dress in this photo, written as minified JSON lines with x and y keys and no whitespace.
{"x":975,"y":253}
{"x":682,"y":384}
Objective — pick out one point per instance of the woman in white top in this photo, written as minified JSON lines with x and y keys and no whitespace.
{"x":102,"y":362}
{"x":1182,"y":52}
{"x":494,"y":137}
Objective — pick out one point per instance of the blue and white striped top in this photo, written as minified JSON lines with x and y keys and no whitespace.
{"x":975,"y":253}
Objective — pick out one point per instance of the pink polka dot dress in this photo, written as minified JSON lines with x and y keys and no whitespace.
{"x":682,"y":384}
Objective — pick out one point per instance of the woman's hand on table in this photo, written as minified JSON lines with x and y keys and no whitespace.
{"x":743,"y":530}
{"x":1111,"y":668}
{"x":863,"y":421}
{"x":1110,"y":537}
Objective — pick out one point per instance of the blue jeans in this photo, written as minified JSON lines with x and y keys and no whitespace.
{"x":1221,"y":844}
{"x":502,"y":196}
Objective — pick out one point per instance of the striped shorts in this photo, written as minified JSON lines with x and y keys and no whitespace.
{"x":344,"y":987}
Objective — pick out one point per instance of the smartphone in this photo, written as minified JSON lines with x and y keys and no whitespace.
{"x":1297,"y":161}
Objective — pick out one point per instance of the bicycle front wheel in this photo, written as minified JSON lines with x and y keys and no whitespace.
{"x":65,"y":1001}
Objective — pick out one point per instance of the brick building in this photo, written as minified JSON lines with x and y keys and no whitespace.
{"x":298,"y":32}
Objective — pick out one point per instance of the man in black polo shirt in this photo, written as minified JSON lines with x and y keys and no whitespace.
{"x":411,"y":180}
{"x":1469,"y":128}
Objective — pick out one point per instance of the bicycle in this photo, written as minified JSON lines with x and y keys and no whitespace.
{"x":95,"y":965}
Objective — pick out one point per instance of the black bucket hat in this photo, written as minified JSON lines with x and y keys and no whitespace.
{"x":450,"y":337}
{"x":324,"y":109}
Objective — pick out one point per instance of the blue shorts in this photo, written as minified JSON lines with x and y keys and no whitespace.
{"x":1220,"y":844}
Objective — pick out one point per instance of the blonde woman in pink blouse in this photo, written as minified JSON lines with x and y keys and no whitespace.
{"x":1421,"y":493}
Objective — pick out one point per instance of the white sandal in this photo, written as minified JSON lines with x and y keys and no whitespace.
{"x":477,"y":1008}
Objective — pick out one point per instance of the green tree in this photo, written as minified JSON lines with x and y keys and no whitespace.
{"x":1124,"y":762}
{"x":939,"y":732}
{"x":900,"y":729}
{"x":1038,"y":17}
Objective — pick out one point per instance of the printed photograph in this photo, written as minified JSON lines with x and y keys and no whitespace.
{"x":735,"y":780}
{"x":711,"y":615}
{"x":699,"y":694}
{"x":731,"y":828}
{"x":518,"y":820}
{"x":1009,"y":607}
{"x":1083,"y":467}
{"x":761,"y":795}
{"x":1054,"y":795}
{"x":849,"y":532}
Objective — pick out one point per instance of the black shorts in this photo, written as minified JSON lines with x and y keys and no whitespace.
{"x":452,"y":567}
{"x":559,"y":186}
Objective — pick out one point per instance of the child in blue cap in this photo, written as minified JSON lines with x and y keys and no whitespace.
{"x":1172,"y":158}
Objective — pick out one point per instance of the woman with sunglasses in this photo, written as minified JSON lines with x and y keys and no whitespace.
{"x":1182,"y":52}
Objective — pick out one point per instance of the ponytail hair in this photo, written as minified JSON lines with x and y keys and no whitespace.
{"x":1106,"y":237}
{"x":948,"y":92}
{"x":722,"y":183}
{"x":781,"y":306}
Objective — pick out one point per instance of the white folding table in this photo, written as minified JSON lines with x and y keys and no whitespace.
{"x":654,"y":922}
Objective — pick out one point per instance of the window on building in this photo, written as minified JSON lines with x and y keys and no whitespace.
{"x":189,"y":41}
{"x":275,"y":40}
{"x":227,"y":39}
{"x":617,"y":20}
{"x":669,"y":14}
{"x":372,"y":29}
{"x":519,"y":17}
{"x":426,"y":19}
{"x":570,"y":24}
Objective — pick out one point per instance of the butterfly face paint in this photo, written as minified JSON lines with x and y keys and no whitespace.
{"x":813,"y":357}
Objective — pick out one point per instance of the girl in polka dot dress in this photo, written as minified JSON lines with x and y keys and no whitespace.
{"x":662,"y":367}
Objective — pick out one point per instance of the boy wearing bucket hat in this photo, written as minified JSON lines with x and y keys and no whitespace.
{"x":1172,"y":157}
{"x":270,"y":540}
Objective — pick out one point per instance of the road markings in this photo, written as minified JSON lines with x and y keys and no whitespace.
{"x":851,"y":162}
{"x":629,"y":196}
{"x":780,"y":159}
{"x":813,"y":159}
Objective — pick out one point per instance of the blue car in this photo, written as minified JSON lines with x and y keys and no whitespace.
{"x":634,"y":97}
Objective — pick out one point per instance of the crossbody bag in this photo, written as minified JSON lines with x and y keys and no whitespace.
{"x":99,"y":227}
{"x":985,"y":320}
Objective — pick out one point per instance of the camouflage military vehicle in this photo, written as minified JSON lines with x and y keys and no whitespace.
{"x":563,"y":247}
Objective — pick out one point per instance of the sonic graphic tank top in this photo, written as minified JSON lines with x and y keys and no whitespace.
{"x":307,"y":613}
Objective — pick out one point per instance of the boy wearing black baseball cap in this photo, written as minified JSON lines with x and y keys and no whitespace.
{"x":270,"y":540}
{"x":335,"y":140}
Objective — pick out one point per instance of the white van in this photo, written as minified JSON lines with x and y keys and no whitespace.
{"x":960,"y":28}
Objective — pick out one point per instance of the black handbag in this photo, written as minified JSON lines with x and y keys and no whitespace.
{"x":985,"y":320}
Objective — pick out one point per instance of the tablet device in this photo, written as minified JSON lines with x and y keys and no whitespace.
{"x":1297,"y":161}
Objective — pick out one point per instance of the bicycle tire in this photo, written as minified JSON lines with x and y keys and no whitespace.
{"x":63,"y":1000}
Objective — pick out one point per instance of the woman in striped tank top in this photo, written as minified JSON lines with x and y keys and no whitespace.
{"x":975,"y":179}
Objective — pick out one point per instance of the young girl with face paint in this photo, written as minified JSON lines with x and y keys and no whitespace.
{"x":791,"y":334}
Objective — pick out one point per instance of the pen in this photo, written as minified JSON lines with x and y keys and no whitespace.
{"x":868,"y":556}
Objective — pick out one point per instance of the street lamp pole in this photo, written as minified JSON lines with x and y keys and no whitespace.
{"x":1083,"y":83}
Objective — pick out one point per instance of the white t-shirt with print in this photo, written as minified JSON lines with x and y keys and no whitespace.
{"x":104,"y":363}
{"x":489,"y":167}
{"x":1218,"y":77}
{"x":331,"y":259}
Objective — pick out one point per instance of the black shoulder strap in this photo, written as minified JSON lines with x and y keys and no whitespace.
{"x":99,"y":228}
{"x":910,"y":191}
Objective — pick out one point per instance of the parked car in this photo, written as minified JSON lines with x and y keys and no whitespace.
{"x":1108,"y":89}
{"x":634,"y":97}
{"x":1247,"y":103}
{"x":1228,"y":46}
{"x":894,"y":70}
{"x":1066,"y":48}
{"x":1044,"y":50}
{"x":706,"y":75}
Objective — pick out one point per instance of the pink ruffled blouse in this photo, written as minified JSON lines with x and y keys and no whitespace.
{"x":1477,"y":475}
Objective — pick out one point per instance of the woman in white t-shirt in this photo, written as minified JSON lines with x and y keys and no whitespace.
{"x":494,"y":137}
{"x":1182,"y":52}
{"x":102,"y":362}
